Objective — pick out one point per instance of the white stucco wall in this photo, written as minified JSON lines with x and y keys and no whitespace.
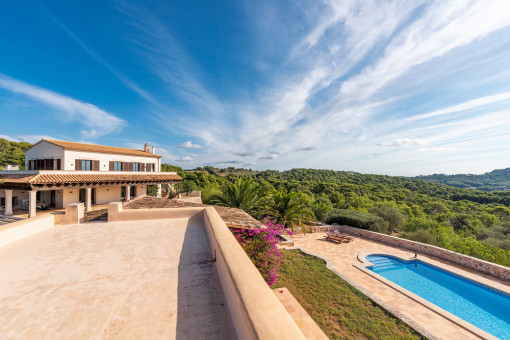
{"x":44,"y":150}
{"x":140,"y":190}
{"x":107,"y":194}
{"x":70,"y":196}
{"x":104,"y":159}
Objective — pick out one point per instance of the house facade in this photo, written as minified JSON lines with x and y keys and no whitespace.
{"x":58,"y":173}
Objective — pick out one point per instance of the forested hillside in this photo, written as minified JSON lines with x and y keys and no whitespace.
{"x":469,"y":221}
{"x":12,"y":153}
{"x":489,"y":181}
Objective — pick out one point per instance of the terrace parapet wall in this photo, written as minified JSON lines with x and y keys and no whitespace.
{"x":255,"y":311}
{"x":467,"y":261}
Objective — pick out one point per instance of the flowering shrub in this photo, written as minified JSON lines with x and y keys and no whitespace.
{"x":260,"y":245}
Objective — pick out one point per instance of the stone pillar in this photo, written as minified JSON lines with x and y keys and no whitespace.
{"x":128,"y":192}
{"x":74,"y":213}
{"x":88,"y":199}
{"x":159,"y":191}
{"x":32,"y":203}
{"x":8,"y":202}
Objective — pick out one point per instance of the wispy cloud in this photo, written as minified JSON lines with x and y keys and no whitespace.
{"x":184,"y":159}
{"x":119,"y":75}
{"x":35,"y":138}
{"x":243,"y":154}
{"x":307,"y":148}
{"x":403,"y":142}
{"x":9,"y":138}
{"x":97,"y":121}
{"x":269,"y":157}
{"x":362,"y":74}
{"x":190,"y":145}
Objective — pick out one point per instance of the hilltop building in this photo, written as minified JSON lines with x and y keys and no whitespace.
{"x":59,"y":173}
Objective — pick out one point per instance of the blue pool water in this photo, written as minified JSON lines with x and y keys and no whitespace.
{"x":481,"y":306}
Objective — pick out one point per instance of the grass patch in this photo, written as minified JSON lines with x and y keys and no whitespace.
{"x":340,"y":310}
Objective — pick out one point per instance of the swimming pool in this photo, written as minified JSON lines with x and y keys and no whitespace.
{"x":481,"y":306}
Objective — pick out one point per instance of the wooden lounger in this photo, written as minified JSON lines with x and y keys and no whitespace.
{"x":339,"y":234}
{"x":333,"y":237}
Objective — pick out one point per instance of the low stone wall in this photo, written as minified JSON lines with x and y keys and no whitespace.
{"x":117,"y":213}
{"x":312,"y":229}
{"x":468,"y":261}
{"x":17,"y":230}
{"x":194,"y":197}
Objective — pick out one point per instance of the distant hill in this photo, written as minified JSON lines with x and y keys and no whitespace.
{"x":496,"y":180}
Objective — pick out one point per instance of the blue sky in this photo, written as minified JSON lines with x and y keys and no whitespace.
{"x":388,"y":87}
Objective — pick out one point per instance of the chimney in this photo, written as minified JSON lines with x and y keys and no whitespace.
{"x":146,"y":147}
{"x":153,"y":149}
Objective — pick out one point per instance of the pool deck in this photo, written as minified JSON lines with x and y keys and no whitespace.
{"x":123,"y":280}
{"x":343,"y":257}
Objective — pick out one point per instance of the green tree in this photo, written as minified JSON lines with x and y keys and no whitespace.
{"x":243,"y":193}
{"x":289,"y":208}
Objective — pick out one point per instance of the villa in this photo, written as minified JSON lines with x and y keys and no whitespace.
{"x":59,"y":173}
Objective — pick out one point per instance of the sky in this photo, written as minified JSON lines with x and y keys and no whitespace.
{"x":385,"y":87}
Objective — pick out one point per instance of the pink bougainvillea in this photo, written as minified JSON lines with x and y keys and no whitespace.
{"x":261,"y":247}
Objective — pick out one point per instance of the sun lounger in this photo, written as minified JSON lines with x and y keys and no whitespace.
{"x":339,"y":234}
{"x":333,"y":237}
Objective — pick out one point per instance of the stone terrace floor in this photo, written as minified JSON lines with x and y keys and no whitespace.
{"x":123,"y":280}
{"x":344,"y":255}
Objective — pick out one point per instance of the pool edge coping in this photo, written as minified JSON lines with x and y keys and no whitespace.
{"x":393,"y":311}
{"x":436,"y":309}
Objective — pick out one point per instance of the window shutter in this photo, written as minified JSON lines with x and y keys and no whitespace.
{"x":95,"y":165}
{"x":130,"y":166}
{"x":77,"y":164}
{"x":148,"y":167}
{"x":142,"y":166}
{"x":112,"y":166}
{"x":59,"y":164}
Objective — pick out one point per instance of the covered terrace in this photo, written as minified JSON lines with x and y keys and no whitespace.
{"x":30,"y":190}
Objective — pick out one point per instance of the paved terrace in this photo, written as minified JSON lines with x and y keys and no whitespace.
{"x":343,"y":256}
{"x":123,"y":280}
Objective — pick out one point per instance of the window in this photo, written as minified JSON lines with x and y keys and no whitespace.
{"x":86,"y":165}
{"x":117,"y":166}
{"x":136,"y":166}
{"x":149,"y":167}
{"x":44,"y":164}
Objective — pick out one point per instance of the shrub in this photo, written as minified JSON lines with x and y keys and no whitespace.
{"x":423,"y":236}
{"x":260,"y":246}
{"x":357,"y":219}
{"x":390,"y":214}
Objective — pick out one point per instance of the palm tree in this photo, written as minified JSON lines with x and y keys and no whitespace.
{"x":244,"y":194}
{"x":289,"y":208}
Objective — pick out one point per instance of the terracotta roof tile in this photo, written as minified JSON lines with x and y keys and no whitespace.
{"x":99,"y":148}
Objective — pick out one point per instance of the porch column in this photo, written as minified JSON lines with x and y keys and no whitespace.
{"x":159,"y":191}
{"x":88,"y":199}
{"x":128,"y":192}
{"x":8,"y":202}
{"x":32,"y":203}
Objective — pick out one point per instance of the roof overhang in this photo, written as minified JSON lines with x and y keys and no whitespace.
{"x":54,"y":180}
